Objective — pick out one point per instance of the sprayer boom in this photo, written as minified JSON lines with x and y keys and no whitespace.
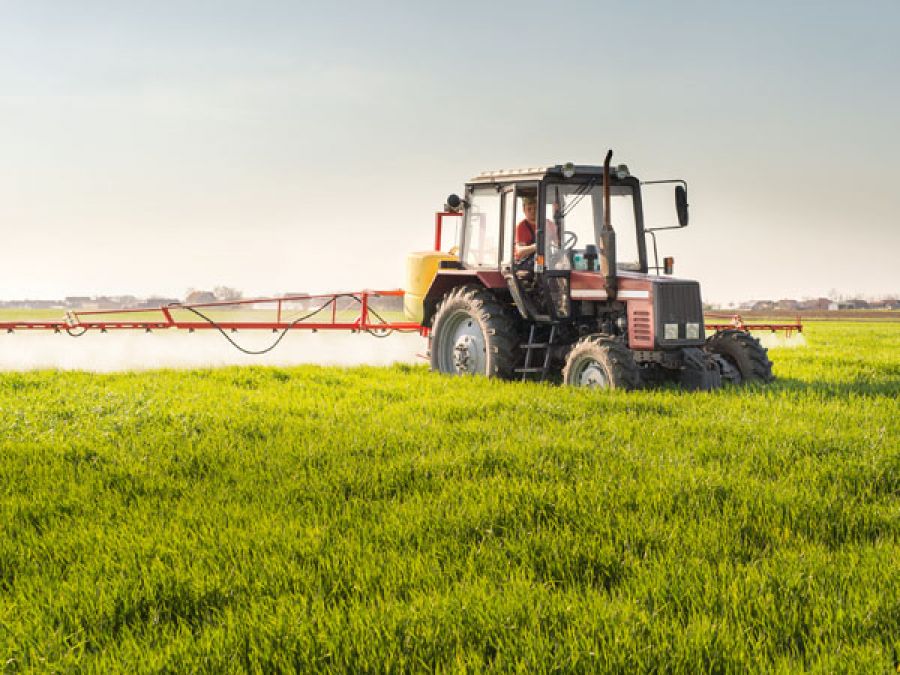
{"x":365,"y":311}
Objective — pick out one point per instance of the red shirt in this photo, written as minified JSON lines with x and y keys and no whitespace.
{"x":524,"y":233}
{"x":524,"y":236}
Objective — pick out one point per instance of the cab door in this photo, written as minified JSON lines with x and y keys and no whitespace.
{"x":481,"y":236}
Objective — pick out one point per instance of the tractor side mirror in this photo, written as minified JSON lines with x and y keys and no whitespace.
{"x":453,"y":202}
{"x":681,"y":205}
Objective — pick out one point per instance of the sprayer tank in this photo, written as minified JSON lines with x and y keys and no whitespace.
{"x":421,"y":268}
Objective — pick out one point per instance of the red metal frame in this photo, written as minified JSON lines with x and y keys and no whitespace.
{"x":737,"y":321}
{"x":162,"y":317}
{"x":439,"y":225}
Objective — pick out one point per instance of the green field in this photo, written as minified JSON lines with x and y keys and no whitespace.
{"x":377,"y":520}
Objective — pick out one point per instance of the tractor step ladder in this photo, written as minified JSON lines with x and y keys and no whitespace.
{"x":530,"y":348}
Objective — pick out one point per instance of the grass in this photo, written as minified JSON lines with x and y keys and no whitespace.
{"x":377,"y":520}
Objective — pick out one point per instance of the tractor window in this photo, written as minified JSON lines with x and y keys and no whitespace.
{"x":579,"y":210}
{"x":482,"y":229}
{"x":621,"y":203}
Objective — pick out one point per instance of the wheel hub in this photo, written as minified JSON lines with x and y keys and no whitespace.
{"x":464,"y":355}
{"x":461,"y":344}
{"x":593,"y":375}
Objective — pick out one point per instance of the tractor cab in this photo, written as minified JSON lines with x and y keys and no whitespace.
{"x":566,"y":225}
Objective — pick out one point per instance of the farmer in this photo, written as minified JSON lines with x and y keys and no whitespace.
{"x":526,"y":234}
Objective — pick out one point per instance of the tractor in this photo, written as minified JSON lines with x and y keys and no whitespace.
{"x":582,"y":304}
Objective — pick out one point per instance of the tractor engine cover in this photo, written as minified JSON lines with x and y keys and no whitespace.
{"x":677,"y":314}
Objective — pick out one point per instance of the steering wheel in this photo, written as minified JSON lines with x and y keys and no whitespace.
{"x":569,"y":240}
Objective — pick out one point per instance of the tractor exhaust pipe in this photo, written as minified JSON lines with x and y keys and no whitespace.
{"x":608,"y":237}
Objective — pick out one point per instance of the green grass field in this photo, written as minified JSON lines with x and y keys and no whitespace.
{"x":373,"y":520}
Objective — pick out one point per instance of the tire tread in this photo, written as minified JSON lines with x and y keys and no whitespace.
{"x":745,"y":352}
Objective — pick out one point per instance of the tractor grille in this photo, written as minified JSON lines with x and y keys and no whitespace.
{"x":640,"y":326}
{"x":678,"y":304}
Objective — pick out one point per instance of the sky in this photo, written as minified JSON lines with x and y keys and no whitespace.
{"x":153,"y":147}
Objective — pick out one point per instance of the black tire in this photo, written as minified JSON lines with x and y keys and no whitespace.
{"x":744,"y":352}
{"x":601,"y":362}
{"x":700,"y":370}
{"x":474,"y":334}
{"x":727,"y":370}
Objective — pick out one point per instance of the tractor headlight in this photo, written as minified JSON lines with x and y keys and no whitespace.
{"x":692,"y":331}
{"x":670,"y":331}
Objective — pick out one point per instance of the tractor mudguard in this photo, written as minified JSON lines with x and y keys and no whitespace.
{"x":448,"y":279}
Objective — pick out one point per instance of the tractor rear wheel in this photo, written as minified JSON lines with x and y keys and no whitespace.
{"x":601,"y":362}
{"x":744,"y":354}
{"x":473,"y":334}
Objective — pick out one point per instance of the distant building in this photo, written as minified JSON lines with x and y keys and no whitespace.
{"x":763,"y":306}
{"x":125,"y":300}
{"x":200,"y":297}
{"x":787,"y":305}
{"x":853,"y":304}
{"x":886,"y":304}
{"x":227,"y":294}
{"x":154,"y":302}
{"x":814,"y":304}
{"x":104,"y":302}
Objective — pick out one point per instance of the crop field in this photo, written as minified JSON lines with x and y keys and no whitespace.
{"x":390,"y":519}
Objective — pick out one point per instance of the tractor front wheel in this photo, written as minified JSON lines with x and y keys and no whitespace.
{"x":473,"y":334}
{"x":747,"y":358}
{"x":602,"y":363}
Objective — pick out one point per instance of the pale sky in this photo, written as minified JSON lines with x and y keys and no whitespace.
{"x":149,"y":147}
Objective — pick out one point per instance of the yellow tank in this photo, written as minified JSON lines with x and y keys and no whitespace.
{"x":421,"y":268}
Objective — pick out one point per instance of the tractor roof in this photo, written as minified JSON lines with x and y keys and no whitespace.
{"x":541,"y":172}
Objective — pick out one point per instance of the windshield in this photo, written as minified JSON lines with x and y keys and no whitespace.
{"x":577,"y":212}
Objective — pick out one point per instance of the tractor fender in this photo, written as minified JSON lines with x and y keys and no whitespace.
{"x":448,"y":279}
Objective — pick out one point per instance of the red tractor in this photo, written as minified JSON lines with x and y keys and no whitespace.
{"x":574,"y":298}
